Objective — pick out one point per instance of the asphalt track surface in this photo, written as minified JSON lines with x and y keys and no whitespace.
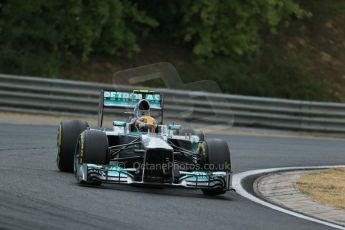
{"x":35,"y":195}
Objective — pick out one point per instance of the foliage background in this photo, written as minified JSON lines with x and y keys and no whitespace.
{"x":232,"y":42}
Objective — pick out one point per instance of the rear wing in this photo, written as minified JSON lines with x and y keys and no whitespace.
{"x":117,"y":99}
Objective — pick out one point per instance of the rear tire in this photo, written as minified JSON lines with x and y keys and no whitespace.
{"x":217,"y":158}
{"x":68,"y":134}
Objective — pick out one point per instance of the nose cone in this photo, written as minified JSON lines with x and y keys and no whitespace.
{"x":153,"y":142}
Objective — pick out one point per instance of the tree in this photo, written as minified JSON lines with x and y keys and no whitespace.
{"x":37,"y":35}
{"x":217,"y":27}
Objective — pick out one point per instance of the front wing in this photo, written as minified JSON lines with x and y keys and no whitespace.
{"x":117,"y":175}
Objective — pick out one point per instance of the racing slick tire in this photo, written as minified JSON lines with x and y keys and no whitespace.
{"x":93,"y":147}
{"x":217,"y":158}
{"x":68,"y":134}
{"x":198,"y":133}
{"x":213,"y":192}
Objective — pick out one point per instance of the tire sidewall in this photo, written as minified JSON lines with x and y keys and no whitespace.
{"x":68,"y":134}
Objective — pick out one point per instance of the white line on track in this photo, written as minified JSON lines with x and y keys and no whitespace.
{"x":236,"y":184}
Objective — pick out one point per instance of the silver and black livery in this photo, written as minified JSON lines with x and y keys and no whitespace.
{"x":166,"y":155}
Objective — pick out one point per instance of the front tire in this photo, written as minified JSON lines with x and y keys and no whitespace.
{"x":217,"y":158}
{"x":92,"y":148}
{"x":217,"y":155}
{"x":213,"y":192}
{"x":68,"y":134}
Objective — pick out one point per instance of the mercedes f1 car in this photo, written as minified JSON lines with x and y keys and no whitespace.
{"x":142,"y":150}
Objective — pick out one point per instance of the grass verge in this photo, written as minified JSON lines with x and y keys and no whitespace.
{"x":325,"y":186}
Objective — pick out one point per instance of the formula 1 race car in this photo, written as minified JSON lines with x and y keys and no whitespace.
{"x":142,"y":150}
